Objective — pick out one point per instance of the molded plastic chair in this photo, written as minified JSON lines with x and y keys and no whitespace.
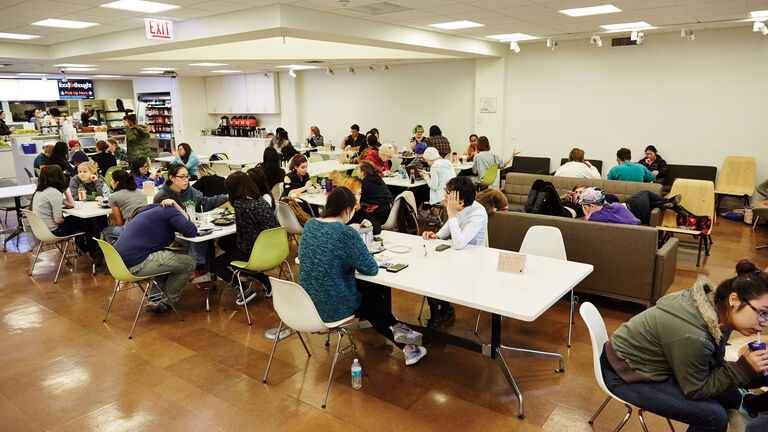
{"x":32,"y":178}
{"x":489,"y":177}
{"x":122,"y":275}
{"x":599,"y":336}
{"x":402,"y":199}
{"x":287,"y":219}
{"x":221,"y":169}
{"x":108,"y":176}
{"x":47,"y":238}
{"x":37,"y":172}
{"x":313,"y":159}
{"x":354,"y":172}
{"x":699,"y":199}
{"x":297,"y":311}
{"x":269,"y":251}
{"x":737,"y":178}
{"x":165,"y":175}
{"x":218,"y":156}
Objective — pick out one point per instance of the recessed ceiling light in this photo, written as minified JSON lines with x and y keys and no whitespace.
{"x":107,"y":76}
{"x":31,"y":74}
{"x":226,"y":71}
{"x":640,"y":25}
{"x":592,"y":10}
{"x":140,"y":6}
{"x":763,"y":14}
{"x":298,"y":67}
{"x":69,"y":65}
{"x":151,"y":72}
{"x":509,"y":37}
{"x":208,"y":64}
{"x":453,"y":25}
{"x":158,"y":68}
{"x":80,"y":69}
{"x":17,"y":36}
{"x":64,"y":23}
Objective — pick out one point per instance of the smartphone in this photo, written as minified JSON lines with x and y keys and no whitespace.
{"x":442,"y":247}
{"x":396,"y":268}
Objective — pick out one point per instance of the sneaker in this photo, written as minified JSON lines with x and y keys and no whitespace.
{"x":413,"y":355}
{"x":200,"y":276}
{"x":249,"y":295}
{"x":742,"y":408}
{"x":434,"y":322}
{"x":158,"y":307}
{"x":268,"y":292}
{"x":405,"y":335}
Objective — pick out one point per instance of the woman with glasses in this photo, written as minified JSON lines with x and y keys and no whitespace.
{"x":141,"y":174}
{"x":670,"y":359}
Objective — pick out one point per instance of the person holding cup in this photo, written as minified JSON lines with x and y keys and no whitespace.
{"x":141,"y":173}
{"x":88,"y":179}
{"x":670,"y":359}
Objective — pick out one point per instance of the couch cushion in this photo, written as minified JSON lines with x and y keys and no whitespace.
{"x":517,"y":186}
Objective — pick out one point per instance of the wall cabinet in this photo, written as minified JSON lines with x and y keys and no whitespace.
{"x":242,"y":94}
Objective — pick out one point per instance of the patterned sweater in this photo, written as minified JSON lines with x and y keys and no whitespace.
{"x":329,"y":253}
{"x":252,"y":216}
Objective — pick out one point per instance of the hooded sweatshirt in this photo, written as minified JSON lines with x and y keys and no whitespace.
{"x":680,"y":340}
{"x":95,"y":187}
{"x":202,"y":203}
{"x":439,"y":173}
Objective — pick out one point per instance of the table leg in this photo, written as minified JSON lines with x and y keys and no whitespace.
{"x":210,"y":256}
{"x":19,"y":227}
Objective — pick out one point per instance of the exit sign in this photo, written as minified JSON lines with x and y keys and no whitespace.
{"x":158,"y":28}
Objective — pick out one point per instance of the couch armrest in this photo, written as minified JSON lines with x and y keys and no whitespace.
{"x":666,"y":261}
{"x":655,"y":218}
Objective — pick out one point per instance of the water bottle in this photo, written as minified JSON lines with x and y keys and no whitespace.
{"x":357,"y":375}
{"x":104,"y":190}
{"x":402,"y":172}
{"x":322,"y":185}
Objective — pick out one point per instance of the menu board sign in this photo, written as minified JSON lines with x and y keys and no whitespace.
{"x":75,"y":89}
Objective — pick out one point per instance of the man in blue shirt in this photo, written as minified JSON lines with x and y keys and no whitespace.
{"x":142,"y":248}
{"x":627,"y":170}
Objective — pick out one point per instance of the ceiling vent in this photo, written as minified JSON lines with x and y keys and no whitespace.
{"x":378,"y":8}
{"x":623,"y":41}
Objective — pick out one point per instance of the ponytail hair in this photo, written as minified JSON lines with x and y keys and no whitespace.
{"x":339,"y":200}
{"x":748,"y":284}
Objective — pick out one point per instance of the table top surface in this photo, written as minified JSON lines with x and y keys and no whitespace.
{"x":324,"y":167}
{"x":317,"y":199}
{"x":218,"y":231}
{"x":89,"y":209}
{"x":401,"y":182}
{"x":203,"y":159}
{"x":17,"y":191}
{"x":469,"y":277}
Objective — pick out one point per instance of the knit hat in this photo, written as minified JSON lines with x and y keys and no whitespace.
{"x":431,"y":154}
{"x":79,"y":157}
{"x":419,"y":148}
{"x":386,"y":150}
{"x":591,"y":195}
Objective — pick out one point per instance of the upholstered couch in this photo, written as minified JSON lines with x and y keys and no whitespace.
{"x":628,"y":265}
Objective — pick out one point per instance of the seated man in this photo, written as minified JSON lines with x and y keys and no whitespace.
{"x":627,"y":170}
{"x":354,"y":140}
{"x":467,"y":225}
{"x":142,"y":247}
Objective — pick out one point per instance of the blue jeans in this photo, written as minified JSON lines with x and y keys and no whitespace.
{"x":759,"y":425}
{"x":197,"y":250}
{"x":112,"y":233}
{"x":666,"y":399}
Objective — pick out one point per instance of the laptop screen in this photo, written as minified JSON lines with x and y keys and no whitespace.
{"x":87,"y":142}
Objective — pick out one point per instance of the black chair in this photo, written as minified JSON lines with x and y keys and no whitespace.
{"x":596,"y":163}
{"x":526,"y":165}
{"x":695,"y":172}
{"x":218,"y":157}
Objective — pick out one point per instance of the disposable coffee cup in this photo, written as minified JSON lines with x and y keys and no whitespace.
{"x":149,"y":187}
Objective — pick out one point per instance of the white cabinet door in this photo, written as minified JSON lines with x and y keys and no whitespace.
{"x":262,"y":93}
{"x":214,"y":88}
{"x":234,"y":91}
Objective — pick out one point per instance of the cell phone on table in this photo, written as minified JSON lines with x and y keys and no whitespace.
{"x":396,"y":267}
{"x":442,"y":247}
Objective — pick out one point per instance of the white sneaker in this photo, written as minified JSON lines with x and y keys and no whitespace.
{"x":413,"y":356}
{"x":249,"y":295}
{"x":205,"y":277}
{"x":405,"y":335}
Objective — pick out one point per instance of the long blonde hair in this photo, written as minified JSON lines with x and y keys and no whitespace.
{"x":205,"y":170}
{"x":352,"y":183}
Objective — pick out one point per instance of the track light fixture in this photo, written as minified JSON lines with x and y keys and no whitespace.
{"x":385,"y":68}
{"x":292,"y":74}
{"x":351,"y":70}
{"x":687,"y":33}
{"x":514,"y":47}
{"x":551,"y":43}
{"x":759,"y":26}
{"x":329,"y":71}
{"x":637,"y":36}
{"x":596,"y":40}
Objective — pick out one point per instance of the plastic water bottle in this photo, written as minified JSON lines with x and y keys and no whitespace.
{"x":357,"y":375}
{"x":104,"y":190}
{"x":322,"y":185}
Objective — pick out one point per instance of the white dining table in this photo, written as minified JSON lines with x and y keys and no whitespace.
{"x":169,"y":159}
{"x":398,"y":181}
{"x":446,"y":276}
{"x":16,"y":192}
{"x":325,"y":167}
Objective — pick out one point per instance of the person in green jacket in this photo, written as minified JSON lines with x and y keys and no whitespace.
{"x":136,"y":138}
{"x":670,"y":359}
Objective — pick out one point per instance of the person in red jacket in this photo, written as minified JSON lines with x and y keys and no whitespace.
{"x":380,"y":158}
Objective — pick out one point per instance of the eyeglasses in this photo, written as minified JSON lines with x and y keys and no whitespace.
{"x":183,"y":177}
{"x":761,"y":315}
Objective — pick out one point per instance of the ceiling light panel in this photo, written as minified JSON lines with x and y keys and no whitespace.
{"x":763,"y":14}
{"x":151,"y":72}
{"x":64,"y":23}
{"x":31,"y":74}
{"x":80,"y":69}
{"x":455,"y":25}
{"x":297,"y":67}
{"x":509,"y":37}
{"x":592,"y":10}
{"x":74,"y":65}
{"x":107,"y":76}
{"x":209,"y":64}
{"x":226,"y":71}
{"x":140,"y":6}
{"x":158,"y":68}
{"x":17,"y":36}
{"x":640,"y":25}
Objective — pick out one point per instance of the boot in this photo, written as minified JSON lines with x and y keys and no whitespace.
{"x":532,"y":195}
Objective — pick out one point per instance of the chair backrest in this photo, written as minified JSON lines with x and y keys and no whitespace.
{"x":598,"y":335}
{"x":530,"y":165}
{"x":546,"y":241}
{"x":595,"y":163}
{"x":164,"y":154}
{"x":269,"y":250}
{"x":37,"y":172}
{"x":287,"y":218}
{"x":698,"y":198}
{"x":108,"y":176}
{"x":218,"y":156}
{"x":221,"y":169}
{"x":313,"y":159}
{"x":39,"y":229}
{"x":115,"y":263}
{"x":295,"y":307}
{"x":30,"y":176}
{"x":490,"y":175}
{"x":391,"y":223}
{"x":165,"y":175}
{"x":737,"y":176}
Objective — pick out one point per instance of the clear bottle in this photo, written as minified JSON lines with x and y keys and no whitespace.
{"x":357,"y":375}
{"x":105,"y":190}
{"x":81,"y":192}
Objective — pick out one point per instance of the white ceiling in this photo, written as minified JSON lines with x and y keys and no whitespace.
{"x":535,"y":17}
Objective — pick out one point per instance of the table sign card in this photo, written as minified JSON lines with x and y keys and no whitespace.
{"x":510,"y":262}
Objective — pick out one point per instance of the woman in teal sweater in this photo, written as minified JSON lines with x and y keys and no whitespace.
{"x":330,"y":252}
{"x":188,"y":158}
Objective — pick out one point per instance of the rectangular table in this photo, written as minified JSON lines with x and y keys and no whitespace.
{"x":325,"y":167}
{"x":398,"y":181}
{"x":445,"y":276}
{"x":16,"y":192}
{"x":169,"y":159}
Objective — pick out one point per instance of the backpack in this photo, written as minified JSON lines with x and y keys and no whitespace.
{"x":301,"y":215}
{"x":694,"y":223}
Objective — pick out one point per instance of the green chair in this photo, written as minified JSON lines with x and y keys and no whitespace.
{"x":165,"y":175}
{"x":313,"y":159}
{"x":122,"y":275}
{"x":270,"y":250}
{"x":354,"y":172}
{"x":489,"y":177}
{"x":37,"y":172}
{"x":108,"y":176}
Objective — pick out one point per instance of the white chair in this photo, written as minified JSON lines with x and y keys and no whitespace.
{"x":297,"y":311}
{"x":548,"y":242}
{"x":404,"y":198}
{"x":286,"y":218}
{"x":221,"y":168}
{"x":47,"y":238}
{"x":599,"y":336}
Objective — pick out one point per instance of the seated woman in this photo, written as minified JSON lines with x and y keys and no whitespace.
{"x":284,"y":145}
{"x":484,"y":158}
{"x":104,"y":159}
{"x":125,"y":199}
{"x":252,"y":216}
{"x":260,"y":180}
{"x":188,"y":158}
{"x":88,"y":178}
{"x":76,"y":154}
{"x":595,"y":209}
{"x":577,"y":166}
{"x":375,"y":197}
{"x":655,"y":164}
{"x":208,"y":182}
{"x":440,"y":172}
{"x":370,"y":144}
{"x":141,"y":174}
{"x":271,"y":167}
{"x":381,"y":158}
{"x":59,"y":157}
{"x":119,"y":152}
{"x":297,"y":180}
{"x":670,"y":358}
{"x":315,"y":139}
{"x":471,"y":150}
{"x":418,"y":136}
{"x":361,"y":218}
{"x":46,"y":202}
{"x":330,"y":252}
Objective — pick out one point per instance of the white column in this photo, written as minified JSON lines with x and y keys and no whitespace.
{"x":490,"y":92}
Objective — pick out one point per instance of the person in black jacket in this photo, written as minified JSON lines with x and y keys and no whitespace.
{"x":4,"y":129}
{"x":208,"y":182}
{"x":376,"y":198}
{"x":655,"y":164}
{"x":59,"y":157}
{"x":297,"y":180}
{"x":103,"y":158}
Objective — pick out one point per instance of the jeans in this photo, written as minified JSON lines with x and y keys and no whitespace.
{"x":666,"y":399}
{"x":197,"y":250}
{"x":642,"y":203}
{"x":759,"y":425}
{"x":372,"y":308}
{"x":179,"y":266}
{"x":436,"y":307}
{"x":231,"y":253}
{"x":112,"y":232}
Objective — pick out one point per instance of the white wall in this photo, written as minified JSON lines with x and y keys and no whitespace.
{"x":697,"y":102}
{"x":113,"y":89}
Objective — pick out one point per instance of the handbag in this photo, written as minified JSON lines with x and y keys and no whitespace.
{"x":694,"y":223}
{"x":301,"y":215}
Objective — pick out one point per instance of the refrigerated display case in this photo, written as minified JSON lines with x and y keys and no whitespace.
{"x":155,"y":111}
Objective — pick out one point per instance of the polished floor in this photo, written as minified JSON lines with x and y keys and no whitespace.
{"x":63,"y":369}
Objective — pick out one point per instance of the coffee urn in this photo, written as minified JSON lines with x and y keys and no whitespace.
{"x":224,"y":126}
